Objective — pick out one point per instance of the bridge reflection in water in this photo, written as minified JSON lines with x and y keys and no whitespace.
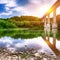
{"x":52,"y":45}
{"x":54,"y":27}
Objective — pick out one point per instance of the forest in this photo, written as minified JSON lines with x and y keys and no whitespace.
{"x":21,"y":22}
{"x":25,"y":22}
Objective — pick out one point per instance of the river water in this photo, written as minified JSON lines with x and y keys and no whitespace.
{"x":44,"y":44}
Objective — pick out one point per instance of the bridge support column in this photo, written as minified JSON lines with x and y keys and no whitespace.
{"x":45,"y":28}
{"x":48,"y":23}
{"x":54,"y":42}
{"x":48,"y":19}
{"x":45,"y":22}
{"x":54,"y":25}
{"x":45,"y":33}
{"x":54,"y":31}
{"x":48,"y":27}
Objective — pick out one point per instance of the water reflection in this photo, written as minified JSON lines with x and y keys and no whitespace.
{"x":32,"y":46}
{"x":47,"y":33}
{"x":35,"y":43}
{"x":54,"y":31}
{"x":52,"y":44}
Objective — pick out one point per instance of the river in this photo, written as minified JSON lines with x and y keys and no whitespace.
{"x":38,"y":46}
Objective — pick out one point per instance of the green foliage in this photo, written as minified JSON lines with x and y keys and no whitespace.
{"x":26,"y":21}
{"x":58,"y":35}
{"x":5,"y":24}
{"x":21,"y":22}
{"x":21,"y":33}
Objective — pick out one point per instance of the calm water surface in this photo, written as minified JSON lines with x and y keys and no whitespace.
{"x":45,"y":43}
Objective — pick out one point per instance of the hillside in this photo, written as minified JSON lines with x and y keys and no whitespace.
{"x":25,"y":22}
{"x":21,"y":22}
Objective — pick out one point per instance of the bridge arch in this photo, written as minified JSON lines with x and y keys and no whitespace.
{"x":47,"y":15}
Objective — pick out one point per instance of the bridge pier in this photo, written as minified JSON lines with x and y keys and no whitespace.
{"x":54,"y":24}
{"x":54,"y":31}
{"x":45,"y":22}
{"x":54,"y":27}
{"x":48,"y":24}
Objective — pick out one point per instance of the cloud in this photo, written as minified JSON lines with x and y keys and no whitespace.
{"x":19,"y":45}
{"x":31,"y":7}
{"x":3,"y":1}
{"x":6,"y":13}
{"x":18,"y":9}
{"x":8,"y":3}
{"x":7,"y":8}
{"x":34,"y":8}
{"x":11,"y":3}
{"x":6,"y":40}
{"x":34,"y":1}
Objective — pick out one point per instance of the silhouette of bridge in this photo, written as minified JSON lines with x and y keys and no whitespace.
{"x":47,"y":14}
{"x":54,"y":27}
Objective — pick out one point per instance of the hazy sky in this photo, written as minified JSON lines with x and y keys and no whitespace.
{"x":9,"y":8}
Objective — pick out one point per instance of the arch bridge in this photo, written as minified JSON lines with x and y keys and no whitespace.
{"x":47,"y":15}
{"x":54,"y":27}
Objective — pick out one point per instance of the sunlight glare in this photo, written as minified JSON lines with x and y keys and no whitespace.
{"x":44,"y":9}
{"x":58,"y":10}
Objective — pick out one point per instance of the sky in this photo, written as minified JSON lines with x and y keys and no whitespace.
{"x":10,"y":8}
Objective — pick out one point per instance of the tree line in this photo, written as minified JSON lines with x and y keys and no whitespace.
{"x":25,"y":22}
{"x":21,"y":22}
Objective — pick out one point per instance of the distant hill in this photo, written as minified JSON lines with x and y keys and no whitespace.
{"x":21,"y":22}
{"x":25,"y":22}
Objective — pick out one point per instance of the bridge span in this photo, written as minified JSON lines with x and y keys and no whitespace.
{"x":47,"y":15}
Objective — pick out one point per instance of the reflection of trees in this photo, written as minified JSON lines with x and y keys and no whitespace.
{"x":54,"y":31}
{"x":58,"y":35}
{"x":22,"y":33}
{"x":47,"y":32}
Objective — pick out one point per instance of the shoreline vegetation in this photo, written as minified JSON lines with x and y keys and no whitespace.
{"x":24,"y":26}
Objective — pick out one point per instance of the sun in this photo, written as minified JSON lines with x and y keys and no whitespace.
{"x":44,"y":9}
